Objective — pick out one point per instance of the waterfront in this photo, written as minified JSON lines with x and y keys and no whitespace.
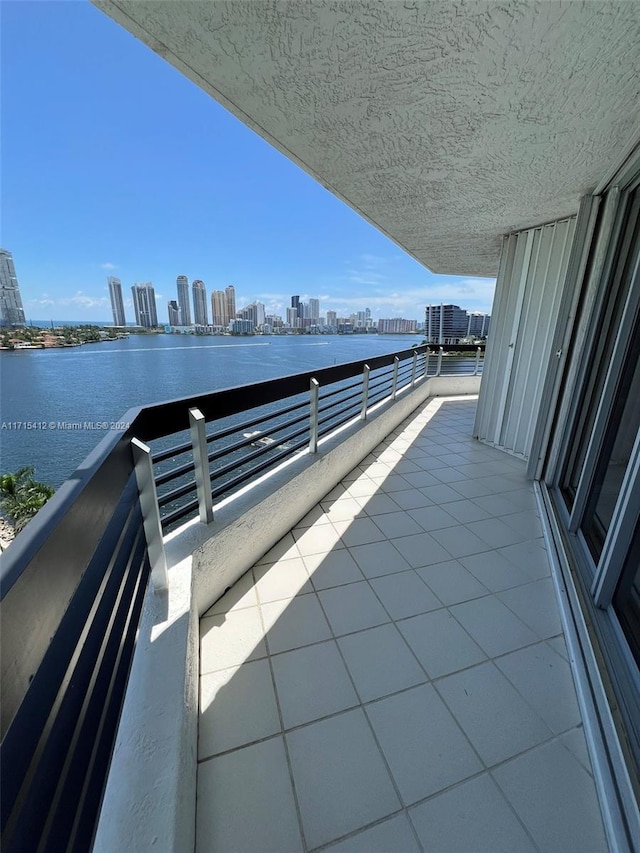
{"x":70,"y":396}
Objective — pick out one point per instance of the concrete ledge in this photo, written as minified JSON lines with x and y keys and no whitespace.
{"x":150,"y":797}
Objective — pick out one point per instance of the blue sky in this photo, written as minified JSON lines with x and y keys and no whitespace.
{"x":113,"y":163}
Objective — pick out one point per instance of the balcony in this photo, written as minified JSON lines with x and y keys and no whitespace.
{"x":382,"y":662}
{"x":392,"y":675}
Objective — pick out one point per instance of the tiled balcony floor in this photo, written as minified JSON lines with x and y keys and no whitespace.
{"x":392,"y":676}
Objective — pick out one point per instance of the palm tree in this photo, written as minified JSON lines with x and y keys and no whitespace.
{"x":21,"y":496}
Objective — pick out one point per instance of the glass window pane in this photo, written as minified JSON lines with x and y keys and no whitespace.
{"x":621,"y":281}
{"x":618,"y":443}
{"x":627,"y":598}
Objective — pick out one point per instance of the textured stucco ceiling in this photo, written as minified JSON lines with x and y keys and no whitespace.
{"x":445,"y":124}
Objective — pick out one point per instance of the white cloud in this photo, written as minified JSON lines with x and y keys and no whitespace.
{"x":81,"y":300}
{"x":109,"y":266}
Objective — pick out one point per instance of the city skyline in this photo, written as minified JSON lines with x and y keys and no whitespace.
{"x":222,"y":205}
{"x":447,"y":320}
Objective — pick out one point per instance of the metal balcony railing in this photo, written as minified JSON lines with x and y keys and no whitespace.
{"x":73,"y":582}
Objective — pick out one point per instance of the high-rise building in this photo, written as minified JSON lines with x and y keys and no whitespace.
{"x":182,"y":284}
{"x":295,"y":303}
{"x":174,"y":313}
{"x":144,"y":303}
{"x":11,"y":310}
{"x":313,"y":311}
{"x":219,"y":316}
{"x":292,"y":317}
{"x":396,"y":326}
{"x":332,"y":319}
{"x":445,"y":324}
{"x":200,"y":314}
{"x":478,"y":325}
{"x":230,"y":294}
{"x":117,"y":304}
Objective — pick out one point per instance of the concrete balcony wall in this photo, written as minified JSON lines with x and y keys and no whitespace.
{"x":149,"y":800}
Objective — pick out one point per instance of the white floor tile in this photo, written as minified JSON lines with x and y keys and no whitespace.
{"x":394,"y":835}
{"x":333,"y":569}
{"x":284,"y":579}
{"x":577,"y":746}
{"x":441,"y":494}
{"x":404,"y":594}
{"x":290,"y":624}
{"x":421,"y":549}
{"x":342,"y":509}
{"x":471,"y":817}
{"x":379,"y":504}
{"x":359,"y":531}
{"x":439,"y":643}
{"x":555,"y":798}
{"x":494,"y":571}
{"x":433,"y":518}
{"x":530,"y":557}
{"x":451,"y":582}
{"x":493,"y":626}
{"x":535,"y":603}
{"x":544,"y":679}
{"x":495,"y":532}
{"x":460,"y":541}
{"x":237,"y":706}
{"x":312,"y":682}
{"x":241,"y":595}
{"x":397,"y":524}
{"x":352,"y":608}
{"x":494,"y":716}
{"x":466,"y":511}
{"x":230,"y":639}
{"x":340,"y":777}
{"x":380,"y":662}
{"x":411,"y":498}
{"x":319,"y":539}
{"x":427,"y":751}
{"x":245,"y":802}
{"x":379,"y":558}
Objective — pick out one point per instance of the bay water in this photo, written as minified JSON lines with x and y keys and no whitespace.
{"x":56,"y":404}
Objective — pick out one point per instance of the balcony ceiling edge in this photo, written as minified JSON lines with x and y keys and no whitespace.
{"x":445,"y":125}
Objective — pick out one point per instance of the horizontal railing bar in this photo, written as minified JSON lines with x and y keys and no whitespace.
{"x":163,"y":455}
{"x":220,"y":454}
{"x":176,"y":494}
{"x":355,"y":404}
{"x":216,"y":436}
{"x":174,"y":473}
{"x":337,"y":402}
{"x":333,"y":426}
{"x":278,"y":457}
{"x":179,"y":513}
{"x":327,"y":394}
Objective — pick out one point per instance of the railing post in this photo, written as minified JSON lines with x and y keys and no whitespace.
{"x":414,"y":368}
{"x":365,"y":392}
{"x":439,"y":366}
{"x":426,"y":361}
{"x":314,"y":385}
{"x":150,"y":513}
{"x":201,"y":464}
{"x":394,"y":383}
{"x":475,"y":371}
